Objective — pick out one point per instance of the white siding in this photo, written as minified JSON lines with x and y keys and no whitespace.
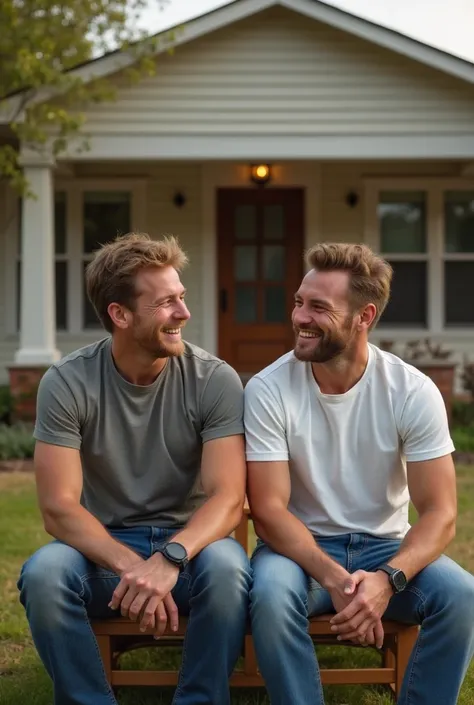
{"x":280,"y":73}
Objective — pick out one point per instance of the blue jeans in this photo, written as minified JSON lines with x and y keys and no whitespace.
{"x":440,"y":598}
{"x":60,"y":589}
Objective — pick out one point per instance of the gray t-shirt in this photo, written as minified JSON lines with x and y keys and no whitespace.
{"x":140,"y":446}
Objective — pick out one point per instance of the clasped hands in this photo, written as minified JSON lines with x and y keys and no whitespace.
{"x":144,"y":594}
{"x":360,"y":601}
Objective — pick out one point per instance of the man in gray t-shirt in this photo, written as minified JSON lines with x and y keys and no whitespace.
{"x":140,"y":473}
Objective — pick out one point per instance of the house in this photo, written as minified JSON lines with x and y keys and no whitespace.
{"x":364,"y":135}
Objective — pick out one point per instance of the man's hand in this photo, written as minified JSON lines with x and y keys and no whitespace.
{"x":366,"y":609}
{"x":144,"y":593}
{"x":342,"y":595}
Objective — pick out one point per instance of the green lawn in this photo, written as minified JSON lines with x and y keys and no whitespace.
{"x":22,"y":677}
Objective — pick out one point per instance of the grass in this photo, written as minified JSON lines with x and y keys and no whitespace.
{"x":23,"y":679}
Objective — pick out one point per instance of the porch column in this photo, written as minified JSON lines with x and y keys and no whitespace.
{"x":37,"y":349}
{"x":38,"y":312}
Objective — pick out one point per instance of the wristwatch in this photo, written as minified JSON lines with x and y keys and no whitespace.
{"x":396,"y":577}
{"x":175,"y":553}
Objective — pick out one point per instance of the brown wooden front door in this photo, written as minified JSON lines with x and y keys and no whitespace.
{"x":260,"y":265}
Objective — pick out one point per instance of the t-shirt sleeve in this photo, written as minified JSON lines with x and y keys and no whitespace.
{"x":425,"y":429}
{"x":222,"y":404}
{"x":57,"y":415}
{"x":265,"y":427}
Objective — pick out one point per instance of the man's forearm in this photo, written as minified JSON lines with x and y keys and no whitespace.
{"x":216,"y":519}
{"x":424,"y":543}
{"x":80,"y":529}
{"x":286,"y":534}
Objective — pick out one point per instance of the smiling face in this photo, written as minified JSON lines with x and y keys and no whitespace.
{"x":323,"y":318}
{"x":160,"y":312}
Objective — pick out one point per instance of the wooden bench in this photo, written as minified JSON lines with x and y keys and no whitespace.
{"x":117,"y":636}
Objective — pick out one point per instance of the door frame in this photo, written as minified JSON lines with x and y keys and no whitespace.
{"x":299,"y":193}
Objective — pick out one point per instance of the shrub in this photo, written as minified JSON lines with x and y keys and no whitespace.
{"x":6,"y":403}
{"x":463,"y":413}
{"x":463,"y":439}
{"x":16,"y":442}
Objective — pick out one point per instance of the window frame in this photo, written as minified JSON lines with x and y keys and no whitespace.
{"x":74,"y":189}
{"x":435,"y":189}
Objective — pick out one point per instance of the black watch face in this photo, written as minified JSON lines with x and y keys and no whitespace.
{"x":399,"y":580}
{"x":176,"y":551}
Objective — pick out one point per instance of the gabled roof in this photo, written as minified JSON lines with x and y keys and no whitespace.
{"x":317,"y":10}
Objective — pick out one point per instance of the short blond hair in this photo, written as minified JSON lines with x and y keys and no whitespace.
{"x":110,"y":277}
{"x":370,"y":275}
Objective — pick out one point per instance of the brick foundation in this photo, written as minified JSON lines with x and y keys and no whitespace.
{"x":23,"y":386}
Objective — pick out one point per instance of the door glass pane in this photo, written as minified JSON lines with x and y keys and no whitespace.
{"x":245,"y":304}
{"x":458,"y":282}
{"x":402,"y":218}
{"x":407,"y":305}
{"x":275,"y":305}
{"x":273,"y":222}
{"x":60,"y":222}
{"x":245,"y":263}
{"x":90,"y":319}
{"x":106,"y":215}
{"x":274,"y":262}
{"x":459,"y":221}
{"x":61,"y":295}
{"x":245,"y":222}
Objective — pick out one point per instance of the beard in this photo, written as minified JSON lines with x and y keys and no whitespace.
{"x":157,"y":343}
{"x":329,"y":344}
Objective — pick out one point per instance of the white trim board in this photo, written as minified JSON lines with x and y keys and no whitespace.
{"x":241,"y":9}
{"x":274,"y":147}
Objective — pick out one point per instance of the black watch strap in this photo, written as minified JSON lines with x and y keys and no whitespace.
{"x":175,"y":553}
{"x":396,"y":577}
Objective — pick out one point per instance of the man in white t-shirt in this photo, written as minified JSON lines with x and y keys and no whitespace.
{"x":339,"y":436}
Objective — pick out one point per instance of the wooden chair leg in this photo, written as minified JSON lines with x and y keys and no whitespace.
{"x":406,"y":640}
{"x":250,"y":658}
{"x":105,"y":648}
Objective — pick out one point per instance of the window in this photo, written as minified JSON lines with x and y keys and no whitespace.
{"x":105,"y":214}
{"x":402,"y":222}
{"x":426,"y":231}
{"x":87,"y":213}
{"x":458,"y":258}
{"x":61,"y":262}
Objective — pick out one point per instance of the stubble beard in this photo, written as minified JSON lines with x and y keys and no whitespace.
{"x":328,"y":346}
{"x":156,"y":347}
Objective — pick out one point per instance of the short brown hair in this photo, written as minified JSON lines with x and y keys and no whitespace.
{"x":110,"y":277}
{"x":370,"y":275}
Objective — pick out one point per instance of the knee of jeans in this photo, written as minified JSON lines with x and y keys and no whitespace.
{"x":223,"y":570}
{"x":460,"y":599}
{"x":47,"y":574}
{"x":449,"y":590}
{"x":280,"y":586}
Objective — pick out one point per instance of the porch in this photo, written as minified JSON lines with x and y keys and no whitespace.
{"x":246,"y":261}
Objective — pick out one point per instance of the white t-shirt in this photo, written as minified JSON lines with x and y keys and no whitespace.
{"x":347,"y":452}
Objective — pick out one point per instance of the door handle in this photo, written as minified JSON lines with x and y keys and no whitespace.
{"x":223,"y":300}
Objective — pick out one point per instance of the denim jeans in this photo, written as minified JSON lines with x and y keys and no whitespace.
{"x":440,"y":598}
{"x":60,"y":589}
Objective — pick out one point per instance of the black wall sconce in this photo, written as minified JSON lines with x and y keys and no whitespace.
{"x":179,"y":199}
{"x":260,"y":174}
{"x":352,"y":199}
